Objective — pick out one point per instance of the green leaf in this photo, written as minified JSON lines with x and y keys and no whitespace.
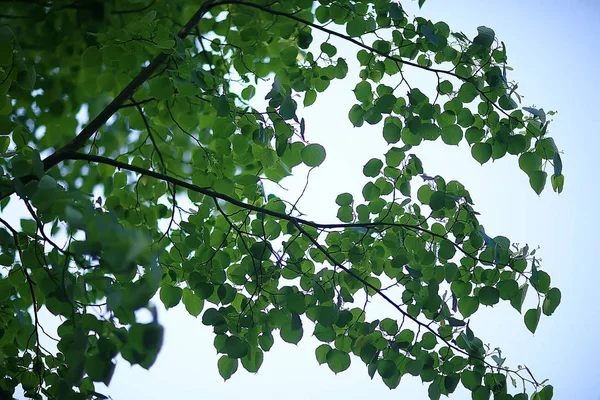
{"x":288,"y":108}
{"x":373,"y":167}
{"x":337,"y":360}
{"x":467,"y":92}
{"x":551,"y":301}
{"x":344,"y":199}
{"x":507,"y":103}
{"x":227,"y":366}
{"x":288,"y":55}
{"x":328,"y":49}
{"x":253,"y":360}
{"x":468,"y":305}
{"x":519,"y":297}
{"x":546,"y":393}
{"x":236,"y":347}
{"x":516,"y":144}
{"x":309,"y":98}
{"x":161,"y":88}
{"x":530,"y":162}
{"x":266,"y":341}
{"x":292,"y":332}
{"x":386,"y":368}
{"x":99,"y":368}
{"x":557,"y":183}
{"x":223,"y":108}
{"x":507,"y":288}
{"x":170,"y":295}
{"x":488,"y":295}
{"x":532,"y":318}
{"x":357,"y":26}
{"x":537,"y":180}
{"x":452,"y":134}
{"x":321,"y":353}
{"x":364,"y":92}
{"x":193,"y":304}
{"x":313,"y":155}
{"x":485,"y":36}
{"x":470,"y":379}
{"x":356,"y":115}
{"x":392,"y":133}
{"x":481,"y":393}
{"x":481,"y":152}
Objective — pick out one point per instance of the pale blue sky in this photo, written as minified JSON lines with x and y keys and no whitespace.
{"x":552,"y":46}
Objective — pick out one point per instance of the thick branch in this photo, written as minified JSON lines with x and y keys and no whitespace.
{"x":86,"y":133}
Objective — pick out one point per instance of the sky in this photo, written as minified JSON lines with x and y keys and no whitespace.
{"x":552,"y":46}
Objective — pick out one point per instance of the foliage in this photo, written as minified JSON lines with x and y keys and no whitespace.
{"x":161,"y":191}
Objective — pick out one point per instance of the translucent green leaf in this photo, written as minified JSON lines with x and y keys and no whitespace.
{"x":386,"y":368}
{"x":471,"y":379}
{"x":468,"y":305}
{"x":99,"y":368}
{"x":161,"y":88}
{"x":557,"y":183}
{"x":236,"y":347}
{"x":507,"y":103}
{"x":288,"y":55}
{"x":291,"y":334}
{"x":371,"y":191}
{"x":481,"y":393}
{"x":193,"y":304}
{"x":373,"y":167}
{"x":313,"y":155}
{"x":266,"y":341}
{"x":551,"y":301}
{"x":452,"y":134}
{"x":356,"y":115}
{"x":310,"y":97}
{"x":344,"y":199}
{"x":474,"y":135}
{"x":364,"y":92}
{"x":545,"y":394}
{"x":170,"y":295}
{"x":337,"y":360}
{"x":253,"y":360}
{"x":345,"y":214}
{"x":434,"y":391}
{"x":488,"y":295}
{"x":537,"y":180}
{"x":321,"y":353}
{"x":532,"y":318}
{"x":467,"y":92}
{"x":437,"y":201}
{"x":485,"y":36}
{"x":507,"y":288}
{"x":227,"y":366}
{"x":223,"y":108}
{"x":385,"y":103}
{"x":288,"y":108}
{"x":518,"y":298}
{"x":530,"y":162}
{"x":516,"y":144}
{"x":392,"y":133}
{"x":481,"y":152}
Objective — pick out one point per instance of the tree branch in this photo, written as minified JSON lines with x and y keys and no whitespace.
{"x":299,"y":223}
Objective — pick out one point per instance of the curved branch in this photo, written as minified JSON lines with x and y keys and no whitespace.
{"x":299,"y":223}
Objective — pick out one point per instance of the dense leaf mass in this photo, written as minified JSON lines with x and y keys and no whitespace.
{"x":132,"y":138}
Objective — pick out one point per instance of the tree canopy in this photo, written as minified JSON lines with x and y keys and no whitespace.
{"x":133,"y":138}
